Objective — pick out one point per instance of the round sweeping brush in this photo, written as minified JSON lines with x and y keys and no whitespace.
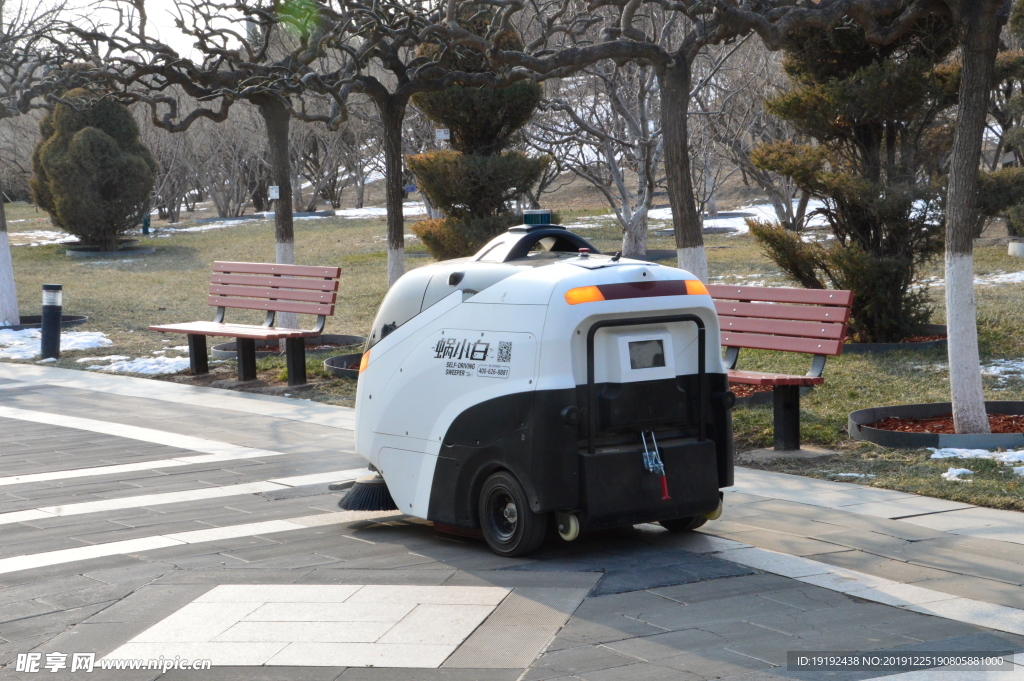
{"x":369,"y":493}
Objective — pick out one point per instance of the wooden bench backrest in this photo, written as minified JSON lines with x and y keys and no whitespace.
{"x":787,"y":319}
{"x":301,"y":289}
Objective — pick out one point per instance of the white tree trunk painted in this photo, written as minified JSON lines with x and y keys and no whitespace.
{"x":8,"y":291}
{"x":694,"y":260}
{"x":964,"y":365}
{"x":396,"y":264}
{"x":285,"y":252}
{"x":634,"y":239}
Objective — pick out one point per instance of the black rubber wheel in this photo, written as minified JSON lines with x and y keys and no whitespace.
{"x":510,"y":526}
{"x":683,"y":524}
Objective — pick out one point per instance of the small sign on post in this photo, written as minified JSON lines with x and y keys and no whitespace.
{"x":442,"y":134}
{"x":273,"y":192}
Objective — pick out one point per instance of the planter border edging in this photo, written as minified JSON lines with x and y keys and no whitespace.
{"x":858,"y":420}
{"x":879,"y":348}
{"x":339,"y":366}
{"x":36,"y":322}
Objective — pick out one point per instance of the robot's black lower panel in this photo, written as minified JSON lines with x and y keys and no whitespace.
{"x":618,"y":491}
{"x":537,"y":437}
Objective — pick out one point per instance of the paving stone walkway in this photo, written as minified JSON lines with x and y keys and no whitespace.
{"x":141,"y":518}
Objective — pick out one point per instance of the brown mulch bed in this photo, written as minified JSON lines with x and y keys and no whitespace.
{"x":747,"y":390}
{"x":943,"y":425}
{"x":923,"y":339}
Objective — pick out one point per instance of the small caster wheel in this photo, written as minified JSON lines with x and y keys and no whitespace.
{"x":509,"y":525}
{"x":683,"y":524}
{"x":568,"y":526}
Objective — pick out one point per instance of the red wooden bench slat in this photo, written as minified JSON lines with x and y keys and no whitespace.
{"x":270,"y":268}
{"x":325,"y":297}
{"x":839,"y":315}
{"x":781,"y":295}
{"x":233,"y":330}
{"x":761,"y":378}
{"x":781,"y":328}
{"x":784,"y":343}
{"x":275,"y":282}
{"x":275,"y":305}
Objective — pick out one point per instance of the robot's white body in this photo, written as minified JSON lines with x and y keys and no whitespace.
{"x":552,"y":365}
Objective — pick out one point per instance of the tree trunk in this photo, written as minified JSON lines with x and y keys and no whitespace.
{"x":8,"y":290}
{"x":709,"y":188}
{"x":980,"y":26}
{"x":675,"y":98}
{"x":634,"y":241}
{"x":360,"y":190}
{"x":277,"y":119}
{"x":393,"y":113}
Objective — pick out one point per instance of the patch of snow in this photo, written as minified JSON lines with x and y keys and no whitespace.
{"x":1004,"y":369}
{"x":179,"y":348}
{"x":954,"y":453}
{"x":994,"y":279}
{"x":743,"y":279}
{"x":24,"y":344}
{"x":40,"y":237}
{"x":1018,"y":470}
{"x":108,"y":358}
{"x":409,"y":208}
{"x":955,"y":473}
{"x":209,"y":226}
{"x":47,"y":360}
{"x":852,"y":475}
{"x":151,"y":366}
{"x":760,"y":211}
{"x":1000,"y":278}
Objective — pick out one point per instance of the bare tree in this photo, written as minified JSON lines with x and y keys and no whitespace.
{"x":266,"y":64}
{"x":606,"y":124}
{"x":731,"y":116}
{"x":27,"y":51}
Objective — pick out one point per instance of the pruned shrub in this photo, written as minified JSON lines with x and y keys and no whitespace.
{"x":886,"y":304}
{"x":1001,"y":194}
{"x":474,"y":182}
{"x":877,"y":127}
{"x":92,"y":173}
{"x":456,"y":237}
{"x":481,"y":120}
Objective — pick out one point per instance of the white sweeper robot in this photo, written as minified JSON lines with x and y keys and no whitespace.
{"x":540,"y":380}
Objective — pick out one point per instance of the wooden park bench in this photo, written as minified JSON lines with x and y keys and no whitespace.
{"x":785,"y":319}
{"x":259,"y":286}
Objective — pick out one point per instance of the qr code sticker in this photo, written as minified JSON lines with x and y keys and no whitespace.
{"x":504,"y":351}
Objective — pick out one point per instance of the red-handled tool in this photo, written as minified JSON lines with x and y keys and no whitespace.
{"x":653,"y":463}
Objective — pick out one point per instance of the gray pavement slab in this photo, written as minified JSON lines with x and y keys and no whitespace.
{"x":654,"y":610}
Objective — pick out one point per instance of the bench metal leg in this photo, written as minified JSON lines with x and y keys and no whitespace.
{"x":197,"y":360}
{"x":296,"y":360}
{"x":787,"y":417}
{"x":246,"y":354}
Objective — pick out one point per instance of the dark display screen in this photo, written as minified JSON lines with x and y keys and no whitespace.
{"x":646,"y":354}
